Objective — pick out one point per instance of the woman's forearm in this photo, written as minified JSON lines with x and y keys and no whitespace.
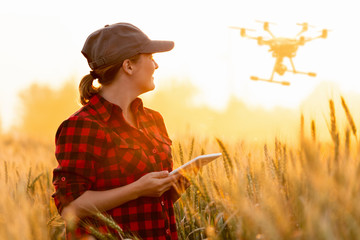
{"x":153,"y":184}
{"x":91,"y":202}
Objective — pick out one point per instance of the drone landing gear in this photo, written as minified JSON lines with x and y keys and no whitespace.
{"x":254,"y":78}
{"x":310,"y":74}
{"x":279,"y":68}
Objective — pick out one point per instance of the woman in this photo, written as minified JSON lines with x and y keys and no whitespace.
{"x":114,"y":154}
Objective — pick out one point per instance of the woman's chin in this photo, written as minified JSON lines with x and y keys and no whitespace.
{"x":152,"y":87}
{"x":149,"y":88}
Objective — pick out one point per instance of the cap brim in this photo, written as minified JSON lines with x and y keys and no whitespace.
{"x":155,"y":46}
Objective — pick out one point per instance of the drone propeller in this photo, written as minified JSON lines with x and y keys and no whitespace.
{"x":305,"y":27}
{"x":305,"y":24}
{"x":267,"y":22}
{"x":266,"y":27}
{"x":242,"y":30}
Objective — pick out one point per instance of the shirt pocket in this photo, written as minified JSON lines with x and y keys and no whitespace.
{"x":162,"y":151}
{"x":126,"y":162}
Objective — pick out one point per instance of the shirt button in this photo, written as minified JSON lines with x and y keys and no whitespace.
{"x":63,"y":179}
{"x":162,"y":203}
{"x":154,"y":150}
{"x":168,"y":231}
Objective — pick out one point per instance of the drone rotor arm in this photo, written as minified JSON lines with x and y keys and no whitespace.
{"x":324,"y":34}
{"x":271,"y":34}
{"x":266,"y":27}
{"x":251,"y":37}
{"x":301,"y":32}
{"x":305,"y":27}
{"x":311,"y":39}
{"x":267,"y":42}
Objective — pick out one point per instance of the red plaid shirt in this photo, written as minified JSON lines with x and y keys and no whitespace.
{"x":97,"y":150}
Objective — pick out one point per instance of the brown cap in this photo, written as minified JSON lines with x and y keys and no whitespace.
{"x":117,"y":42}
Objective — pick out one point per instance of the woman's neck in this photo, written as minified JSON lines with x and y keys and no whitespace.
{"x":122,"y":96}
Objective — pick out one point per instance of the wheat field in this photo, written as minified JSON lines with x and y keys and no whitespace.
{"x":270,"y":190}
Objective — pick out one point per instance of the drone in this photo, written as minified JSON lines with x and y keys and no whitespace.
{"x":282,"y":47}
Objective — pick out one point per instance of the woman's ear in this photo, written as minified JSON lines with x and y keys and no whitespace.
{"x":127,"y":66}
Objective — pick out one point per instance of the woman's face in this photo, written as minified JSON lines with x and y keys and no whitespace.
{"x":143,"y":72}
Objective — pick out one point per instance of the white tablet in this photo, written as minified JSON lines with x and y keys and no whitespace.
{"x":197,"y":162}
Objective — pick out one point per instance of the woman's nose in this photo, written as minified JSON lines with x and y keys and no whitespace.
{"x":156,"y":65}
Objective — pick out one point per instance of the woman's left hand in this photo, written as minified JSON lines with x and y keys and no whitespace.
{"x":181,"y":184}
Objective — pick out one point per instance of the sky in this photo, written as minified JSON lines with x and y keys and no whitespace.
{"x":41,"y":41}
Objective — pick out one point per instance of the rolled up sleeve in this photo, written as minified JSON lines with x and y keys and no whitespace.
{"x":79,"y":146}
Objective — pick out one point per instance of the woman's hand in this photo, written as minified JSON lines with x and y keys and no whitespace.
{"x":181,"y":184}
{"x":154,"y":184}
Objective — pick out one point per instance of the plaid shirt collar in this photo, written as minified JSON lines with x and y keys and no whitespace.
{"x":105,"y":108}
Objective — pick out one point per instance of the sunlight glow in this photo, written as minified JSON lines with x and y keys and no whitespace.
{"x":43,"y":44}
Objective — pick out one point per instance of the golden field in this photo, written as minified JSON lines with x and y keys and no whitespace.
{"x":302,"y":188}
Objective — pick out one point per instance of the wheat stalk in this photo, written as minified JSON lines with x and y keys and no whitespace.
{"x":191,"y":149}
{"x":347,"y":142}
{"x":313,"y":130}
{"x":6,"y":172}
{"x":227,"y":160}
{"x":181,"y":153}
{"x":334,"y":132}
{"x":349,"y":116}
{"x":302,"y":131}
{"x":111,"y":223}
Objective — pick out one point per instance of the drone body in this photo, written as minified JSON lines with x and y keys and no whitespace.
{"x":282,"y":47}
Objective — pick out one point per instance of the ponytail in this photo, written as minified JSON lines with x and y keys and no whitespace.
{"x":86,"y":89}
{"x":105,"y":76}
